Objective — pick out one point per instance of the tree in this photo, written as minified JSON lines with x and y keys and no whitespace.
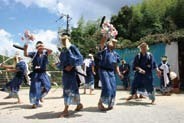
{"x":149,"y":17}
{"x":121,"y":21}
{"x":86,"y":35}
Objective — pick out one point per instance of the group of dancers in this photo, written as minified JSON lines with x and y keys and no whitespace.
{"x":70,"y":58}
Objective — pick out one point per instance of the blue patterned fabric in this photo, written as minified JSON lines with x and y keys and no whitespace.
{"x":107,"y":62}
{"x":40,"y":82}
{"x":70,"y":57}
{"x":144,"y":82}
{"x":15,"y":83}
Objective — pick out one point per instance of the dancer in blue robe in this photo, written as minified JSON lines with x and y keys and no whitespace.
{"x":14,"y":84}
{"x":40,"y":82}
{"x":108,"y":65}
{"x":143,"y":65}
{"x":70,"y":58}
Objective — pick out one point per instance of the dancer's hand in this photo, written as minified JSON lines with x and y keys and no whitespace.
{"x":120,"y":75}
{"x":25,"y":46}
{"x":159,"y":73}
{"x":94,"y":73}
{"x":68,"y":68}
{"x":142,"y":71}
{"x":8,"y":70}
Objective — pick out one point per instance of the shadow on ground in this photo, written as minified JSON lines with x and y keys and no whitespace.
{"x":49,"y":98}
{"x":52,"y":115}
{"x":92,"y":109}
{"x":26,"y":106}
{"x":7,"y":103}
{"x":135,"y":103}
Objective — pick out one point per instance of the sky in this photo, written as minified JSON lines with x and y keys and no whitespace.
{"x":39,"y":16}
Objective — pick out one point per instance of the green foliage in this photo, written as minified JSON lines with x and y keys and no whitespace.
{"x":121,"y":21}
{"x":52,"y":60}
{"x":151,"y":21}
{"x":3,"y":58}
{"x":177,"y":13}
{"x":149,"y":17}
{"x":86,"y":36}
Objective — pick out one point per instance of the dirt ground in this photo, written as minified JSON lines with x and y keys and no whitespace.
{"x":168,"y":109}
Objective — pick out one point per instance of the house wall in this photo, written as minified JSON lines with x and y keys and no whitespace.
{"x":171,"y":51}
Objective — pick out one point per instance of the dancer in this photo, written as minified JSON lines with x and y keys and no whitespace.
{"x":14,"y":84}
{"x":40,"y":83}
{"x":108,"y":65}
{"x":70,"y":58}
{"x":143,"y":65}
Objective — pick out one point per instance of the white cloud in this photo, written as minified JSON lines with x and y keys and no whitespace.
{"x":51,"y":5}
{"x":6,"y":40}
{"x":48,"y":37}
{"x":89,"y":9}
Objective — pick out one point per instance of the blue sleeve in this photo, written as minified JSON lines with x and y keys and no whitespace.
{"x":21,"y":67}
{"x":127,"y":66}
{"x":76,"y":58}
{"x":31,"y":54}
{"x":117,"y":57}
{"x":46,"y":58}
{"x":135,"y":62}
{"x":59,"y":65}
{"x":100,"y":54}
{"x":120,"y":68}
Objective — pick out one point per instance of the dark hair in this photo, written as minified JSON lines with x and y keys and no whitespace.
{"x":65,"y":33}
{"x":39,"y":42}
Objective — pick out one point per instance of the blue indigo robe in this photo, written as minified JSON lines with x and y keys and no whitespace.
{"x":107,"y":62}
{"x":40,"y":82}
{"x":17,"y":80}
{"x":144,"y":82}
{"x":70,"y":57}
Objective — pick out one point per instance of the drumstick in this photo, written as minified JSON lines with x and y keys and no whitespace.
{"x":18,"y":47}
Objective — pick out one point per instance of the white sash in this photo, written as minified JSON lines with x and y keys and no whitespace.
{"x":165,"y":69}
